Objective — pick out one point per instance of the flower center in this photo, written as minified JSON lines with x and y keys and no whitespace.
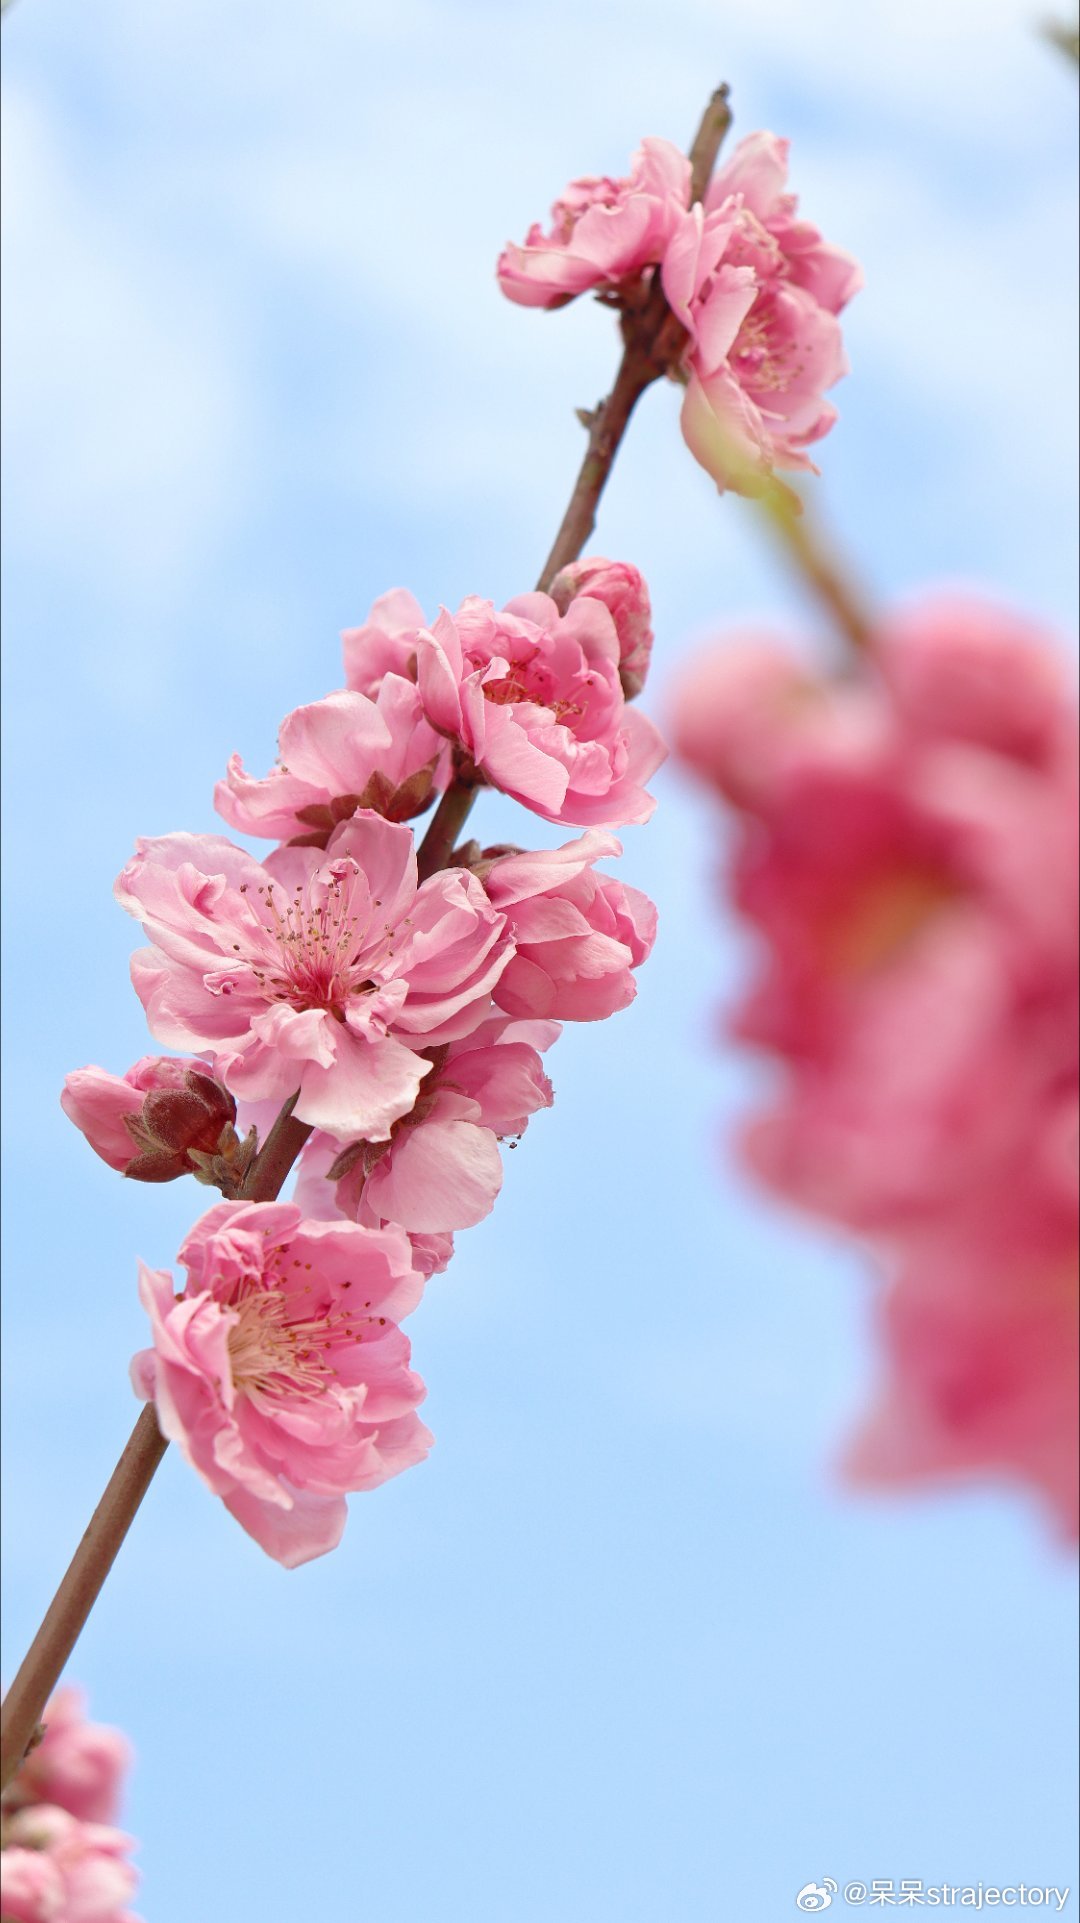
{"x":274,"y":1351}
{"x":325,"y":955}
{"x":530,"y":680}
{"x":758,"y":357}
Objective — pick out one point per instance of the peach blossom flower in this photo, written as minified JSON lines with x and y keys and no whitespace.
{"x":77,"y":1765}
{"x":56,"y":1869}
{"x":321,"y":972}
{"x":533,"y":698}
{"x":441,"y":1168}
{"x":603,"y":231}
{"x":335,"y":756}
{"x":280,"y":1372}
{"x":758,"y":291}
{"x":577,"y":935}
{"x":907,"y":853}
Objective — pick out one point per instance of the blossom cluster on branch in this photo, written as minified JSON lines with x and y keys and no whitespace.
{"x":907,"y":854}
{"x":757,"y":292}
{"x":395,"y":1019}
{"x":61,"y":1858}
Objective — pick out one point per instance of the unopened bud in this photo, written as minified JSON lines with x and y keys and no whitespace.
{"x":623,"y":592}
{"x":162,"y":1119}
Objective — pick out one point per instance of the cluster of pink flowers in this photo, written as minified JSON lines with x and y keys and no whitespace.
{"x":908,"y":856}
{"x":757,"y":290}
{"x":61,"y":1859}
{"x":400,"y":1019}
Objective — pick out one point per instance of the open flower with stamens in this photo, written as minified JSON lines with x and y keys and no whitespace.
{"x":280,"y":1371}
{"x":535,"y":701}
{"x":321,"y":972}
{"x":759,"y":292}
{"x":335,"y":756}
{"x":441,"y":1169}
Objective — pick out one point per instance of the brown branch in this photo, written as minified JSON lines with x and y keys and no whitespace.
{"x":78,"y":1591}
{"x":265,"y":1178}
{"x":444,"y":827}
{"x":115,"y":1513}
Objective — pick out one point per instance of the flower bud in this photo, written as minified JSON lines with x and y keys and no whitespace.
{"x":162,"y":1119}
{"x":623,"y":592}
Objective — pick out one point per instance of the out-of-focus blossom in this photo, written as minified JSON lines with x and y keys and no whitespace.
{"x":335,"y":756}
{"x":441,"y":1169}
{"x":623,"y":592}
{"x":908,"y":854}
{"x":77,"y":1765}
{"x":758,"y":291}
{"x":577,"y":935}
{"x":603,"y":232}
{"x":56,"y":1869}
{"x":979,"y":1328}
{"x":280,"y":1371}
{"x":533,"y":698}
{"x":152,"y":1123}
{"x":321,"y":972}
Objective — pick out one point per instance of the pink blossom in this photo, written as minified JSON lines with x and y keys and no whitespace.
{"x":603,"y":231}
{"x":755,"y":177}
{"x":623,"y":592}
{"x":908,"y":855}
{"x":980,"y":1335}
{"x":758,"y":292}
{"x":441,"y":1168}
{"x":577,"y":934}
{"x":56,"y":1869}
{"x":384,"y":644}
{"x":749,"y":717}
{"x":323,"y":973}
{"x":534,"y":699}
{"x":280,"y":1371}
{"x":335,"y":756}
{"x":148,"y":1121}
{"x":77,"y":1765}
{"x":963,"y":668}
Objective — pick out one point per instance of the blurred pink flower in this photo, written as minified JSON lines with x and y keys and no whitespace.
{"x":319,"y":972}
{"x":603,"y":231}
{"x":758,"y":292}
{"x":280,"y":1371}
{"x":980,"y":1334}
{"x":623,"y":592}
{"x":534,"y":699}
{"x":77,"y":1765}
{"x":908,"y":854}
{"x":577,"y":935}
{"x":335,"y":756}
{"x":146,"y":1121}
{"x":441,"y":1169}
{"x":56,"y":1869}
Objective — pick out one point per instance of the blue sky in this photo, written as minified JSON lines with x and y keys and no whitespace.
{"x":620,"y":1650}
